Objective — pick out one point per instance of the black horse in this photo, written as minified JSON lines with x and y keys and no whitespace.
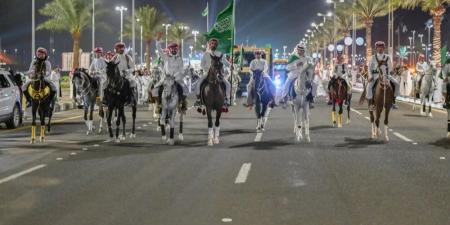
{"x":42,"y":102}
{"x":263,"y":96}
{"x":117,"y":94}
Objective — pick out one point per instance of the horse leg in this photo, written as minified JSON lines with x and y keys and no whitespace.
{"x":349,"y":108}
{"x":299,"y":122}
{"x":258,"y":114}
{"x":217,"y":127}
{"x":172,"y":127}
{"x":33,"y":123}
{"x":340,"y":118}
{"x":109,"y":121}
{"x":124,"y":121}
{"x":448,"y":122}
{"x":210,"y":127}
{"x":386,"y":123}
{"x":117,"y":125}
{"x":333,"y":114}
{"x":429,"y":105}
{"x":294,"y":114}
{"x":49,"y":124}
{"x":263,"y":117}
{"x":42,"y":118}
{"x":377,"y":121}
{"x":372,"y":122}
{"x":180,"y":135}
{"x":306,"y":121}
{"x":133,"y":117}
{"x":101,"y":113}
{"x":162,"y":125}
{"x":85,"y":117}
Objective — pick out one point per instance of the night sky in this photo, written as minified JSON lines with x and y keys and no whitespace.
{"x":280,"y":22}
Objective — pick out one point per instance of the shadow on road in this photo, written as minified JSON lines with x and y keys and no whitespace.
{"x":264,"y":145}
{"x":413,"y":115}
{"x":358,"y":143}
{"x":442,"y":143}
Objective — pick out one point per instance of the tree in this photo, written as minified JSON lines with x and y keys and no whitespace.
{"x":68,"y":15}
{"x":179,"y":33}
{"x":437,"y":9}
{"x":344,"y":20}
{"x":367,"y":10}
{"x":151,"y":20}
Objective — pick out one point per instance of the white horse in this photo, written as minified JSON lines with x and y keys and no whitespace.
{"x":427,"y":89}
{"x":156,"y":76}
{"x":300,"y":107}
{"x":169,"y":106}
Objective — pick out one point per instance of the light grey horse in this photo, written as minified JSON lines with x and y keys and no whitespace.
{"x":427,"y":88}
{"x":88,"y":88}
{"x":300,"y":106}
{"x":169,"y":107}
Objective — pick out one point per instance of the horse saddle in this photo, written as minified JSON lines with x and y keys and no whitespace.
{"x":40,"y":94}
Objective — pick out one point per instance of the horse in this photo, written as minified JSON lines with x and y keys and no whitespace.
{"x":88,"y":88}
{"x":383,"y":98}
{"x":300,"y":107}
{"x":339,"y":96}
{"x":117,"y":94}
{"x":42,"y":102}
{"x":212,"y":94}
{"x":153,"y":99}
{"x":169,"y":106}
{"x":262,"y":95}
{"x":426,"y":90}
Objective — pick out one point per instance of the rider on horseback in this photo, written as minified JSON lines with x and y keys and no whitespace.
{"x":380,"y":61}
{"x":173,"y":67}
{"x":206,"y":64}
{"x":98,"y":69}
{"x":39,"y":66}
{"x":259,"y":64}
{"x":340,"y":72}
{"x":423,"y":69}
{"x":125,"y":66}
{"x":298,"y":64}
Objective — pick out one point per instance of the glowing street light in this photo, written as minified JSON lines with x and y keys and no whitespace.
{"x":121,"y":9}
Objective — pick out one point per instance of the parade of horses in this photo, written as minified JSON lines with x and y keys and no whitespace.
{"x":342,"y":108}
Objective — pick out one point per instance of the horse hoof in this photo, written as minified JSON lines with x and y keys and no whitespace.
{"x":180,"y":137}
{"x":386,"y":139}
{"x":308,"y":139}
{"x":216,"y":141}
{"x":199,"y":110}
{"x":163,"y":138}
{"x":422,"y":113}
{"x":430,"y":115}
{"x":109,"y":140}
{"x":170,"y":142}
{"x":122,"y":137}
{"x":210,"y":142}
{"x":448,"y":134}
{"x":348,"y":122}
{"x":158,"y":128}
{"x":340,"y":126}
{"x":117,"y":140}
{"x":87,"y":132}
{"x":32,"y":141}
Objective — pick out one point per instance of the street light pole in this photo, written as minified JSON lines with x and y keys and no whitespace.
{"x":121,"y":9}
{"x":429,"y":26}
{"x":133,"y":30}
{"x":141,"y":37}
{"x":93,"y":25}
{"x":195,"y":33}
{"x":167,"y":31}
{"x":183,"y":28}
{"x":413,"y":47}
{"x":33,"y":28}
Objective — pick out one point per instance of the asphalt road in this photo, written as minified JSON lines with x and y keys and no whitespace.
{"x":341,"y":177}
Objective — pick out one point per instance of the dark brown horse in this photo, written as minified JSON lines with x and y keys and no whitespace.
{"x":339,"y":95}
{"x":213,"y":96}
{"x":383,"y":98}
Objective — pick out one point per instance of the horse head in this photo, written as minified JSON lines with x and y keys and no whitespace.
{"x":216,"y":68}
{"x":112,"y":70}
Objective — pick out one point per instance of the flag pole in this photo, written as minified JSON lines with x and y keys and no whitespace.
{"x":233,"y":38}
{"x":207,"y":17}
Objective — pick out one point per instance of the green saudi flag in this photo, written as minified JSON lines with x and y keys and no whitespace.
{"x":293,"y":58}
{"x":223,"y":29}
{"x":205,"y":11}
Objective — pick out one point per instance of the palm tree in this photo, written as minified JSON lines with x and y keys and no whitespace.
{"x":151,"y":20}
{"x":437,"y":9}
{"x":68,"y":15}
{"x":179,"y":33}
{"x":367,"y":10}
{"x":344,"y":22}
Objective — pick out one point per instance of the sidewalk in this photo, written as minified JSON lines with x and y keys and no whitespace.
{"x":64,"y":103}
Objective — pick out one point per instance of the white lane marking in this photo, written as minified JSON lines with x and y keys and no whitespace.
{"x":96,"y":145}
{"x":73,"y":153}
{"x":415,"y":143}
{"x":258,"y":137}
{"x":14,"y":176}
{"x":139,"y":128}
{"x":145,"y":125}
{"x":59,"y":159}
{"x":243,"y":173}
{"x":367,"y":118}
{"x":84,"y":149}
{"x":227,"y":220}
{"x":391,"y":130}
{"x":402,"y":137}
{"x":356,"y":111}
{"x":442,"y":158}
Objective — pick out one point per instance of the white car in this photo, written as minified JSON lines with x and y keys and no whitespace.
{"x":10,"y":108}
